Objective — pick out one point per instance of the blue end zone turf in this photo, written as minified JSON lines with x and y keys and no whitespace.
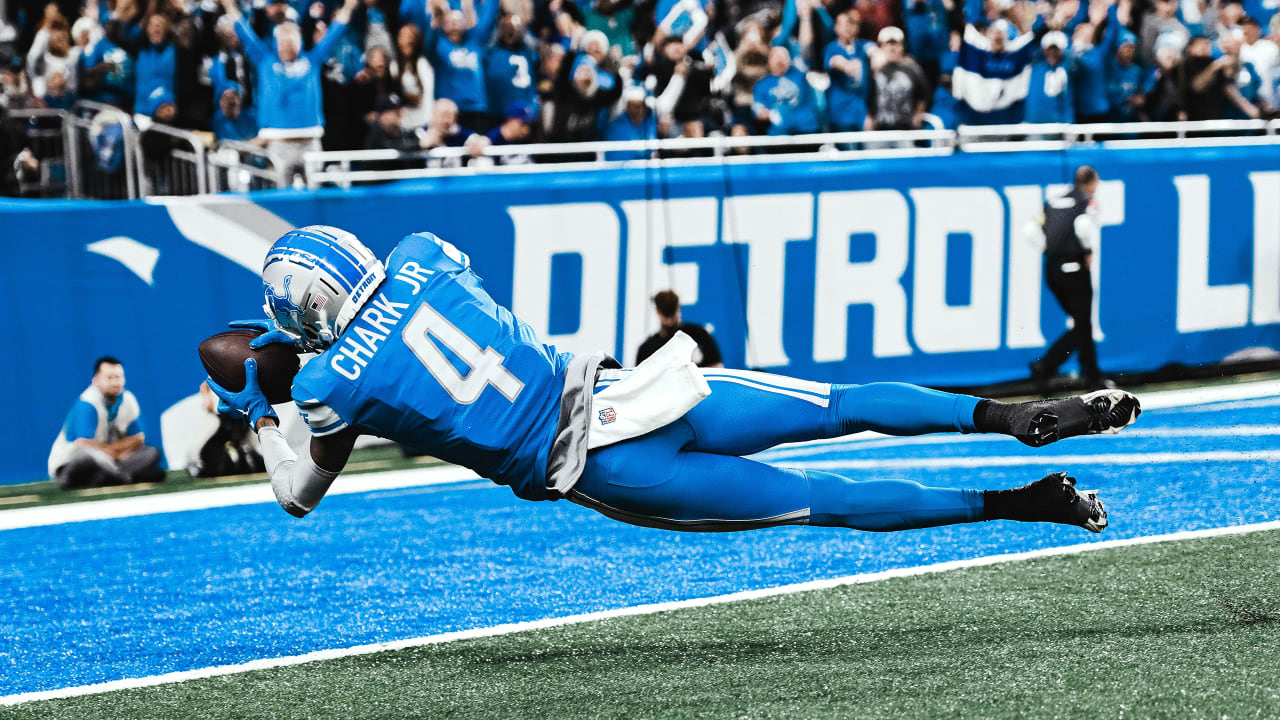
{"x":104,"y":600}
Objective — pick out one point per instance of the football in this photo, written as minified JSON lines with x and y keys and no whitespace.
{"x":223,"y":357}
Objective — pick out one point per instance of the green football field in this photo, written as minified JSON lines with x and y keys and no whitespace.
{"x":1174,"y":629}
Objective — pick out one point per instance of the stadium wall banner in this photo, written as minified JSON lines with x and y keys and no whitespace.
{"x":853,"y":271}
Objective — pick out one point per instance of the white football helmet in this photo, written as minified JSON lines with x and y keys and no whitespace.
{"x":315,"y":280}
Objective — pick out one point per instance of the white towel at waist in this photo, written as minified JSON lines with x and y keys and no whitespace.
{"x":659,"y":391}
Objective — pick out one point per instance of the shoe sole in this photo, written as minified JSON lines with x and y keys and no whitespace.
{"x":1122,"y":411}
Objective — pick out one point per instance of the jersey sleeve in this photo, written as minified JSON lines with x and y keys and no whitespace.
{"x":315,"y":403}
{"x":322,"y":419}
{"x":82,"y":422}
{"x":429,"y":252}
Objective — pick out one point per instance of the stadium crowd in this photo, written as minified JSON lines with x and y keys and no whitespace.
{"x":411,"y":74}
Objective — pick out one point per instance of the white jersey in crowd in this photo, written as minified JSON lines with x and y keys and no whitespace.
{"x":1264,"y":55}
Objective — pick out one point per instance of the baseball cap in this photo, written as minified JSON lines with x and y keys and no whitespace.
{"x":890,"y":34}
{"x":521,"y":111}
{"x":634,"y":93}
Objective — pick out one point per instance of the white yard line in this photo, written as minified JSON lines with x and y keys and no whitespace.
{"x":219,"y":497}
{"x":507,"y":629}
{"x":1159,"y":400}
{"x":935,"y":463}
{"x":1229,"y":405}
{"x":882,"y":441}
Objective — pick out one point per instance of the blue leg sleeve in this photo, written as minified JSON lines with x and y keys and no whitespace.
{"x":883,"y":505}
{"x":653,"y":481}
{"x":748,"y":411}
{"x":899,"y":409}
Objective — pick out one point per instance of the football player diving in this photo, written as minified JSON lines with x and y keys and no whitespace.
{"x":417,"y":352}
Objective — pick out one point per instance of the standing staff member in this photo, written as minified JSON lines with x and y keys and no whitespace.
{"x":667,"y":303}
{"x":1070,"y":233}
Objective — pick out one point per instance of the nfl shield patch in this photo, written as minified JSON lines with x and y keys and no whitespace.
{"x":607,"y":416}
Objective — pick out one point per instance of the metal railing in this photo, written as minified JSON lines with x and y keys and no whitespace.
{"x":106,"y":157}
{"x":1058,"y":136}
{"x":347,"y":167}
{"x":101,"y":150}
{"x":238,"y":166}
{"x":172,"y":161}
{"x":47,"y":139}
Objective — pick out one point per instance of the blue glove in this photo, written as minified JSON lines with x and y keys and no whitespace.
{"x":249,"y":403}
{"x":270,"y":333}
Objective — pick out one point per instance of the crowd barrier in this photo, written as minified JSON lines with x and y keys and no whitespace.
{"x":911,"y":270}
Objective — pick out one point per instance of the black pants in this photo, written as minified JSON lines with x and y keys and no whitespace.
{"x":93,"y":468}
{"x":1074,"y":291}
{"x":228,"y":451}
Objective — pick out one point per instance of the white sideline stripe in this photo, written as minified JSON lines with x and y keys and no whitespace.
{"x":1163,"y":458}
{"x":1230,"y":405}
{"x":883,"y":441}
{"x":219,"y":497}
{"x":1201,"y":396}
{"x":509,"y":628}
{"x":1159,"y":400}
{"x":254,"y":494}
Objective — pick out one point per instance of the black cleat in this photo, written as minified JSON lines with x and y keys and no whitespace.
{"x":1104,"y":411}
{"x":1062,"y":503}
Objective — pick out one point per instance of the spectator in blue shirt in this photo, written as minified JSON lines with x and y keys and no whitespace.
{"x":106,"y":70}
{"x":928,"y":35}
{"x":102,"y":441}
{"x":1049,"y":97}
{"x":1091,"y":62}
{"x":784,"y":99}
{"x":230,"y":68}
{"x":155,"y":59}
{"x":456,"y":43}
{"x":231,"y":119}
{"x":1125,"y":80}
{"x":509,"y":66}
{"x":847,"y":65}
{"x":636,"y":122}
{"x":288,"y":98}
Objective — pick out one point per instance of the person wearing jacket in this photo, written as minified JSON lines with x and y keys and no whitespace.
{"x":1091,"y":59}
{"x":1125,"y":80}
{"x":288,"y":98}
{"x":1049,"y":96}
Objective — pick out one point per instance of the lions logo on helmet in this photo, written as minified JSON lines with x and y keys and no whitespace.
{"x":281,"y":304}
{"x":315,"y":279}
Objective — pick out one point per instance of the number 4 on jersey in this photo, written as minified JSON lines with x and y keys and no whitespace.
{"x":485,"y":363}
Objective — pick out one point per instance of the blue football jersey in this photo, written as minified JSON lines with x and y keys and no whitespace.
{"x":433,"y":363}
